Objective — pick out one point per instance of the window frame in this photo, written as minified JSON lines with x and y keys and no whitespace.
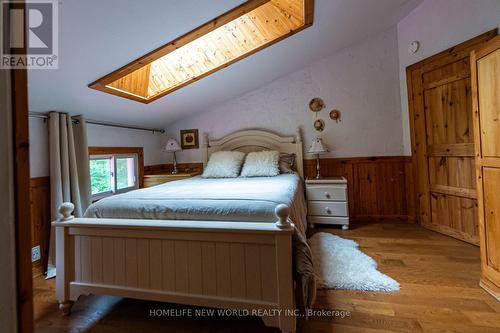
{"x":114,"y":153}
{"x":136,"y":174}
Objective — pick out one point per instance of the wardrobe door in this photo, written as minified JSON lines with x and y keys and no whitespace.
{"x":485,"y":70}
{"x":439,"y":92}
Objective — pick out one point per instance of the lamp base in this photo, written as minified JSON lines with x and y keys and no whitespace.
{"x":318,"y":170}
{"x":175,"y":171}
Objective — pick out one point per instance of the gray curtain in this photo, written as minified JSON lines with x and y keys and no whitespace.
{"x":69,"y":169}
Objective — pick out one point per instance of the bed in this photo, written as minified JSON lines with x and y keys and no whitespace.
{"x":222,"y":243}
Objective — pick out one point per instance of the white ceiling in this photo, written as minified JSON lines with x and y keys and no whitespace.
{"x":99,"y":36}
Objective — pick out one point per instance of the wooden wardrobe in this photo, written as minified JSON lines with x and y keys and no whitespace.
{"x":440,"y":104}
{"x":485,"y":78}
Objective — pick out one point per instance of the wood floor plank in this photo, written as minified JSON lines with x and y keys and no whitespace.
{"x":440,"y":293}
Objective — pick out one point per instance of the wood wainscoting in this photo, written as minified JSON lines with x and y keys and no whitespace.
{"x":378,"y":187}
{"x":40,"y":220}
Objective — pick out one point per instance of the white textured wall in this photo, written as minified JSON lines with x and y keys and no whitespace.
{"x":105,"y":136}
{"x":39,"y":148}
{"x":97,"y":136}
{"x":361,"y":81}
{"x":438,"y":25}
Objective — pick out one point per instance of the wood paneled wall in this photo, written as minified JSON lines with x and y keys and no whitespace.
{"x":379,"y":187}
{"x":40,"y":219}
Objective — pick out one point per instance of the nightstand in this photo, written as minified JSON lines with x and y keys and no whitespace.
{"x":327,"y":201}
{"x":160,"y":178}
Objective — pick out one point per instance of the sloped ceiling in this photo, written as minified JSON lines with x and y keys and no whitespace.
{"x":97,"y":37}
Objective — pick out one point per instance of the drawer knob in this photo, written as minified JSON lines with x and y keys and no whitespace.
{"x":327,"y":195}
{"x":327,"y":210}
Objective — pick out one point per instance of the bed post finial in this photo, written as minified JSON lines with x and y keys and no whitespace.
{"x":298,"y":136}
{"x":205,"y":139}
{"x":282,"y":211}
{"x":65,"y":209}
{"x":206,"y":145}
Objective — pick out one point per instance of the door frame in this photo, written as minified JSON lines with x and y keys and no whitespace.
{"x":22,"y":213}
{"x":449,"y":55}
{"x":18,"y":192}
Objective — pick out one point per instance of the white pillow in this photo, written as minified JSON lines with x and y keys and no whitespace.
{"x":261,"y":164}
{"x":224,"y":164}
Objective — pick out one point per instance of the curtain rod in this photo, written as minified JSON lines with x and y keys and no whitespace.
{"x":102,"y":123}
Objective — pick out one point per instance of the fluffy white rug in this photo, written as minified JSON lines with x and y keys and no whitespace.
{"x":339,"y":264}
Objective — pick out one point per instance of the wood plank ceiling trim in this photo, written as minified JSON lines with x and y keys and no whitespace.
{"x":235,"y":35}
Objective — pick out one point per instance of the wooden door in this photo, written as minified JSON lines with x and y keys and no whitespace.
{"x":440,"y":101}
{"x":485,"y":69}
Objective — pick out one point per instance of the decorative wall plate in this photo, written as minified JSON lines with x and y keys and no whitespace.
{"x":335,"y":115}
{"x":316,"y":104}
{"x":319,"y":125}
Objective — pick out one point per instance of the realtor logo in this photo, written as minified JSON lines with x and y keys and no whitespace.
{"x":29,"y":34}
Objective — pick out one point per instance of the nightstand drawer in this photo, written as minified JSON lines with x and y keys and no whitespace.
{"x":327,"y":192}
{"x":327,"y":208}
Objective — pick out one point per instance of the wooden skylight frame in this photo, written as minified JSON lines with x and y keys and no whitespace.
{"x":237,"y":34}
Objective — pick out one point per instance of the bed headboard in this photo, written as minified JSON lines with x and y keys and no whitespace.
{"x":257,"y":140}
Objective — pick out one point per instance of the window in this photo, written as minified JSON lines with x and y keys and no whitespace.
{"x":114,"y":170}
{"x":246,"y":29}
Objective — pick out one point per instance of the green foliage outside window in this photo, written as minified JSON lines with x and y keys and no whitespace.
{"x":100,"y":176}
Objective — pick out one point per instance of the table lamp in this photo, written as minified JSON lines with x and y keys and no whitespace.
{"x":173,"y":146}
{"x":317,"y":148}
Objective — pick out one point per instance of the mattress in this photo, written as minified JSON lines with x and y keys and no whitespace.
{"x":221,"y":199}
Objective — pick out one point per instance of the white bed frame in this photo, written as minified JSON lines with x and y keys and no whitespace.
{"x":230,"y":265}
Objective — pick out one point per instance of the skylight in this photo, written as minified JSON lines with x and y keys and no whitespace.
{"x":217,"y":44}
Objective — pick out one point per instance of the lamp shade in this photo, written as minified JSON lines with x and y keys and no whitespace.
{"x":317,"y":147}
{"x":172,"y":146}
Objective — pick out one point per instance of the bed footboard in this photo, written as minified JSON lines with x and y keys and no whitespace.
{"x":231,"y":265}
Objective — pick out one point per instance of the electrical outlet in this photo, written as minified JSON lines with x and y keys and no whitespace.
{"x":35,"y":253}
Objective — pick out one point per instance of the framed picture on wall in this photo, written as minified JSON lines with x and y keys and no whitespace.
{"x":189,"y":139}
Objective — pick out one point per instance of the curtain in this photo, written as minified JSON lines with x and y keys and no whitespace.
{"x":69,"y":170}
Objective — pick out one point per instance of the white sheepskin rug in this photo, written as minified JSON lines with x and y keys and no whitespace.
{"x":339,"y":264}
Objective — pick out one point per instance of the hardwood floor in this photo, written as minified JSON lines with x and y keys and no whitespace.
{"x":440,"y":292}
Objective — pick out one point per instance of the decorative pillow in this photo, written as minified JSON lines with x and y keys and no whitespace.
{"x":287,"y":163}
{"x":224,"y":164}
{"x":261,"y":164}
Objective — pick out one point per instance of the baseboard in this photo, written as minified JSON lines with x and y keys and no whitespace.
{"x":368,"y":218}
{"x":452,"y":232}
{"x":490,"y":288}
